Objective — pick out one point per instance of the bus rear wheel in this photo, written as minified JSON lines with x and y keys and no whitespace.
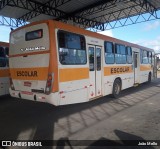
{"x":116,"y":88}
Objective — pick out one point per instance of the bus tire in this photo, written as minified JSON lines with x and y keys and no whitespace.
{"x":149,"y":78}
{"x":116,"y":88}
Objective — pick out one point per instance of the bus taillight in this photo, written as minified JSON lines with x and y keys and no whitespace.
{"x":49,"y":84}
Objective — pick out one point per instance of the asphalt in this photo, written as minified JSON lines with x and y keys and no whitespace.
{"x":134,"y":116}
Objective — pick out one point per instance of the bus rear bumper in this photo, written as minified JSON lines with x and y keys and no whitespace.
{"x":28,"y":95}
{"x":52,"y":98}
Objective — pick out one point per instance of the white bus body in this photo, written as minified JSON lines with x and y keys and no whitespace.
{"x":62,"y":64}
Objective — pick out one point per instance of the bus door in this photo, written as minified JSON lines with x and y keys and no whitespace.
{"x":136,"y":66}
{"x":95,"y":72}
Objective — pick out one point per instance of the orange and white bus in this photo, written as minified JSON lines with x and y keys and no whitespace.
{"x":4,"y":70}
{"x":62,"y":64}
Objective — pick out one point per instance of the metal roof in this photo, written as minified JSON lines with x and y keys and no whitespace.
{"x":93,"y":14}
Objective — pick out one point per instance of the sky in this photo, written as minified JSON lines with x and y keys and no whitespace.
{"x":146,"y":34}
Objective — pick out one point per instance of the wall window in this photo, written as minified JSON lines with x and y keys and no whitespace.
{"x":120,"y":54}
{"x":129,"y":55}
{"x":109,"y":52}
{"x":72,"y":49}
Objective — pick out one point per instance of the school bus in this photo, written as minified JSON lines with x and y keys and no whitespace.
{"x":62,"y":64}
{"x":4,"y":70}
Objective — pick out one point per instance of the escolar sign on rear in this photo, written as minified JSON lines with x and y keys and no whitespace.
{"x":27,"y":73}
{"x":29,"y":57}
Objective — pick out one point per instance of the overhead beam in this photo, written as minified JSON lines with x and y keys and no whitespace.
{"x":115,"y":19}
{"x":97,"y":7}
{"x":94,"y":8}
{"x":6,"y":21}
{"x":47,"y":10}
{"x":91,"y":6}
{"x":32,"y":14}
{"x":56,"y":3}
{"x":128,"y":20}
{"x":124,"y":17}
{"x":146,"y":5}
{"x":37,"y":6}
{"x":3,"y":3}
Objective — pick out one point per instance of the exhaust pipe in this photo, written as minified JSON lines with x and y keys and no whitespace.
{"x":35,"y":98}
{"x":19,"y":95}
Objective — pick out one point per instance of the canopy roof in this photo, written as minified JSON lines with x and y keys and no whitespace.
{"x":93,"y":14}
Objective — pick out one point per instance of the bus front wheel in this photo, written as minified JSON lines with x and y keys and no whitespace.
{"x":116,"y":88}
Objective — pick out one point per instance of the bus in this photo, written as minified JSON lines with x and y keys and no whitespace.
{"x":4,"y":70}
{"x":62,"y":64}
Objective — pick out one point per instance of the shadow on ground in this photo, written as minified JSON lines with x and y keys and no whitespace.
{"x":27,"y":120}
{"x":126,"y":140}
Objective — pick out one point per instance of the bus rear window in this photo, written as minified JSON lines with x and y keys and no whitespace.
{"x":34,"y":35}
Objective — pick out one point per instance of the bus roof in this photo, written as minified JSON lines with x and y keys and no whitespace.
{"x":71,"y":28}
{"x":5,"y":44}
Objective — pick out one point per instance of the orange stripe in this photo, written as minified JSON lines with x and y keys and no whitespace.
{"x":70,"y":74}
{"x":145,"y":67}
{"x":4,"y":73}
{"x":112,"y":70}
{"x":39,"y":73}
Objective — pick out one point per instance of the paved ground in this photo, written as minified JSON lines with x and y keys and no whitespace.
{"x":134,"y":116}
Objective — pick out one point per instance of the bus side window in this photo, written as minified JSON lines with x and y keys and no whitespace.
{"x":72,"y":49}
{"x":6,"y":55}
{"x":145,"y":57}
{"x":2,"y":53}
{"x":2,"y":62}
{"x":109,"y":52}
{"x":141,"y":56}
{"x":129,"y":55}
{"x":2,"y":57}
{"x":150,"y":57}
{"x":61,"y":37}
{"x":6,"y":51}
{"x":120,"y":54}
